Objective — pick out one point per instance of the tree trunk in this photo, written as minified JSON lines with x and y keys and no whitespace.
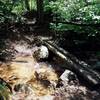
{"x":40,"y":11}
{"x":27,"y":5}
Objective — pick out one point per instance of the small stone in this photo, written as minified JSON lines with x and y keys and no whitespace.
{"x":68,"y":76}
{"x":25,"y":88}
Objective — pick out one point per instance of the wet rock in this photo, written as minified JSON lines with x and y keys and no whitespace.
{"x":17,"y":87}
{"x":22,"y":91}
{"x":68,"y":76}
{"x":41,"y":53}
{"x":26,"y":92}
{"x":22,"y":88}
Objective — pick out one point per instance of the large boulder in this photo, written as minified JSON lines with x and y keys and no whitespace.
{"x":41,"y":53}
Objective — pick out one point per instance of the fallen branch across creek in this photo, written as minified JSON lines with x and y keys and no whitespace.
{"x":72,"y":63}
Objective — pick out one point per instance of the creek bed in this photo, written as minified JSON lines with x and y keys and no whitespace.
{"x":32,"y":80}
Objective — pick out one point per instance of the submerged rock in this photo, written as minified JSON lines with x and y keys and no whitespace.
{"x":22,"y":92}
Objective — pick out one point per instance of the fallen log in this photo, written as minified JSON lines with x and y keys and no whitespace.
{"x":73,"y":64}
{"x":74,"y":59}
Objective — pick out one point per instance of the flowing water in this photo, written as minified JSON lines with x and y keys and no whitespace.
{"x":24,"y":69}
{"x":33,"y":80}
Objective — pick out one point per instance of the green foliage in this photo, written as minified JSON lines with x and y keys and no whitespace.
{"x":4,"y":90}
{"x":64,"y":9}
{"x":11,"y":10}
{"x":71,"y":10}
{"x":32,"y":4}
{"x":78,"y":11}
{"x":89,"y":14}
{"x":75,"y":11}
{"x":5,"y":9}
{"x":4,"y":94}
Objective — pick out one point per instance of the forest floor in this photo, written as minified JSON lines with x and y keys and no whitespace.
{"x":31,"y":80}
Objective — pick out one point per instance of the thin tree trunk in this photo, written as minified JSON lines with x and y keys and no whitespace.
{"x":27,"y":5}
{"x":40,"y":11}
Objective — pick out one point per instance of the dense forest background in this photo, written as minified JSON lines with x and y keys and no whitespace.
{"x":74,"y":24}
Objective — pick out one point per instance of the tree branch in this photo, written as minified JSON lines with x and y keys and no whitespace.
{"x":78,"y":24}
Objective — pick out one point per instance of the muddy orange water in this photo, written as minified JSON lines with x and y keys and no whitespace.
{"x":24,"y":69}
